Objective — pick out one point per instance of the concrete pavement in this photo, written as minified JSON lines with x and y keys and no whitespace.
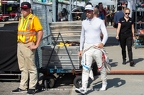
{"x":121,"y":80}
{"x":114,"y":53}
{"x":117,"y":85}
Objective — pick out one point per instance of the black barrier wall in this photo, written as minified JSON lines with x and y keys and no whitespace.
{"x":8,"y":48}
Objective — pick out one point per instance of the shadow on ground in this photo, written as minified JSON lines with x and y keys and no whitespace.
{"x":112,"y":41}
{"x":116,"y":82}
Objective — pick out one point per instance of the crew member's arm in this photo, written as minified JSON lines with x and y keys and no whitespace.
{"x":39,"y":37}
{"x":82,"y":39}
{"x":38,"y":28}
{"x":118,"y":30}
{"x":133,"y":30}
{"x":105,"y":35}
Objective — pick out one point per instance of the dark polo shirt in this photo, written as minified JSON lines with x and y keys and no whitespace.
{"x":126,"y":26}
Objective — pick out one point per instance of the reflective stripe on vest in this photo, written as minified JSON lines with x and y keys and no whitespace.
{"x":25,"y":35}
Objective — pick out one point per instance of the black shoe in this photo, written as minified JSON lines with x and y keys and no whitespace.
{"x":18,"y":90}
{"x":131,"y":63}
{"x":124,"y":62}
{"x":31,"y":91}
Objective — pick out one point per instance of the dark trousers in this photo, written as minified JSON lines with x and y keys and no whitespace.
{"x":126,"y":40}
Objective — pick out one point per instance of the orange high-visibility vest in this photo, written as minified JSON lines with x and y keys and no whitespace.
{"x":25,"y":33}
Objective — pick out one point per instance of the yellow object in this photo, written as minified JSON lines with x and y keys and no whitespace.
{"x":62,"y":44}
{"x":27,"y":28}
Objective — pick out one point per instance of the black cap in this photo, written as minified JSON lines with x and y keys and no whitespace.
{"x":25,"y":5}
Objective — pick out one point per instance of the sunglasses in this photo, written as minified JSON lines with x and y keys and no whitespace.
{"x":127,"y":13}
{"x":88,"y":11}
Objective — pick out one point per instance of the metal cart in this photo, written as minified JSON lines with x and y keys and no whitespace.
{"x":60,"y":60}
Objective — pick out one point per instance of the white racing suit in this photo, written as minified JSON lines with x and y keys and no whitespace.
{"x":91,"y":53}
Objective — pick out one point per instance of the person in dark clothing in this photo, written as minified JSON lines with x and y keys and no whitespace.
{"x":83,"y":16}
{"x":112,"y":16}
{"x":108,"y":15}
{"x":125,"y":35}
{"x":64,"y":15}
{"x":119,"y":14}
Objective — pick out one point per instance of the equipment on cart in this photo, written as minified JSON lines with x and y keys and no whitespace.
{"x":56,"y":62}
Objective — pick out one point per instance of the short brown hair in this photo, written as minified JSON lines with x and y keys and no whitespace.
{"x":96,"y":11}
{"x":126,"y":9}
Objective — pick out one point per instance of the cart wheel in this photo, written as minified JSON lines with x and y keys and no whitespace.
{"x":49,"y":82}
{"x":78,"y":81}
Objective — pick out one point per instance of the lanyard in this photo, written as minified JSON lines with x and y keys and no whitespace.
{"x":24,"y":23}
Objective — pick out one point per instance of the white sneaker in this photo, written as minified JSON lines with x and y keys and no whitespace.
{"x":81,"y":90}
{"x":104,"y":86}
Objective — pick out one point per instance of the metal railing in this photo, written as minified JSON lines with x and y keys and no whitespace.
{"x":44,"y":12}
